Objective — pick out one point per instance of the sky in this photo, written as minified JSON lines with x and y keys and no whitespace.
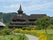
{"x":28,"y":6}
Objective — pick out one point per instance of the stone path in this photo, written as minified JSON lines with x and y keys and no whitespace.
{"x":31,"y":37}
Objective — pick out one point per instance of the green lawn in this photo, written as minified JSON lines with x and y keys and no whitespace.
{"x":9,"y":37}
{"x":50,"y":34}
{"x":13,"y":37}
{"x":23,"y":37}
{"x":50,"y":31}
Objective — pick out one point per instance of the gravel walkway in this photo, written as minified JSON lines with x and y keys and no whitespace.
{"x":31,"y":37}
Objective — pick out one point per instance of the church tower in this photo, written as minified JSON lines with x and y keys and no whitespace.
{"x":21,"y":20}
{"x":20,"y":10}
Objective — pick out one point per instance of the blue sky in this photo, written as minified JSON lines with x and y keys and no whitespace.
{"x":28,"y":6}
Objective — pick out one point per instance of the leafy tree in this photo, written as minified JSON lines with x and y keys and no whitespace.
{"x":51,"y":23}
{"x":51,"y":20}
{"x":43,"y":23}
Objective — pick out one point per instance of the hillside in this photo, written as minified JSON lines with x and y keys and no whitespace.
{"x":7,"y":16}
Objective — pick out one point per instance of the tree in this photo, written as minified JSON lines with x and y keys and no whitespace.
{"x":51,"y":23}
{"x":51,"y":20}
{"x":43,"y":23}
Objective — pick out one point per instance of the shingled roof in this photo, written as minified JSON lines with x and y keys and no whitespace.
{"x":37,"y":15}
{"x":2,"y":24}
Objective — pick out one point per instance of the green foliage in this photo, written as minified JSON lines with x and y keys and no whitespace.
{"x":7,"y":16}
{"x":50,"y":27}
{"x":27,"y":28}
{"x":42,"y":23}
{"x":22,"y":37}
{"x":5,"y":32}
{"x":51,"y":20}
{"x":38,"y":28}
{"x":12,"y":37}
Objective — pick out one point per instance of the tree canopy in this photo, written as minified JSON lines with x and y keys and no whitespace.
{"x":42,"y":23}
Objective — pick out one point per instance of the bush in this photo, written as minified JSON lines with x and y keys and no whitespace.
{"x":5,"y":32}
{"x":27,"y":28}
{"x":37,"y":28}
{"x":50,"y":27}
{"x":16,"y":30}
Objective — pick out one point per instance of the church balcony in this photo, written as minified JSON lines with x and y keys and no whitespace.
{"x":20,"y":26}
{"x":17,"y":25}
{"x":18,"y":22}
{"x":22,"y":23}
{"x":31,"y":22}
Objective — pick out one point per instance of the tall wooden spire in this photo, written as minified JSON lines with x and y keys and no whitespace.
{"x":20,"y":10}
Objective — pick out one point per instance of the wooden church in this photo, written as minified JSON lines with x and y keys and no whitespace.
{"x":22,"y":20}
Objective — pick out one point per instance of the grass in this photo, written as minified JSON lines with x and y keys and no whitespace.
{"x":33,"y":32}
{"x":50,"y":31}
{"x":23,"y":37}
{"x":9,"y":37}
{"x":13,"y":37}
{"x":50,"y":36}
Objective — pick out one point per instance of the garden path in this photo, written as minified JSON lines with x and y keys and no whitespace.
{"x":31,"y":37}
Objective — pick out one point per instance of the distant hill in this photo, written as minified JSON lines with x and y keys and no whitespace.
{"x":7,"y":16}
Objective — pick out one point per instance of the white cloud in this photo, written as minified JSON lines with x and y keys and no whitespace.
{"x":42,"y":5}
{"x":13,"y":0}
